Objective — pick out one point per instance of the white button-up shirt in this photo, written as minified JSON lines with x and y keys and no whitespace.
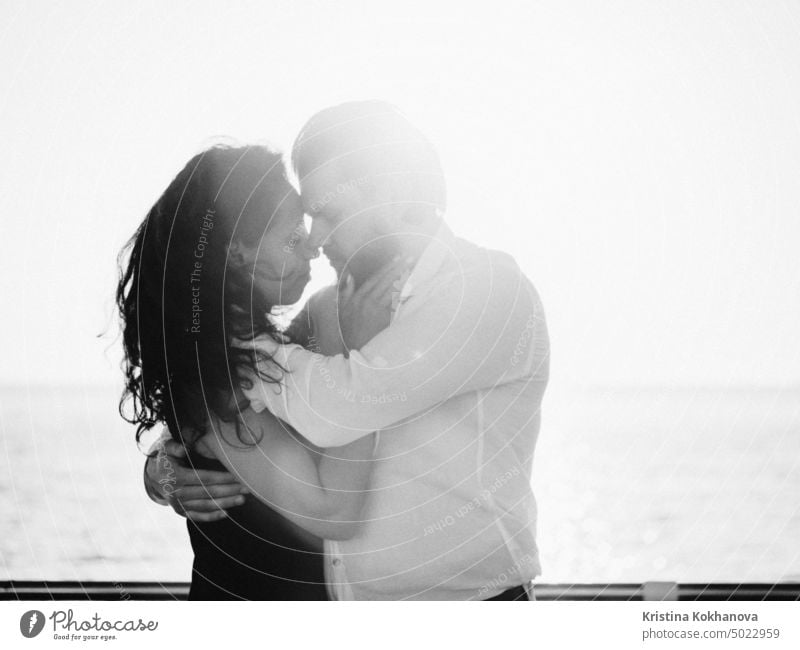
{"x":454,"y":388}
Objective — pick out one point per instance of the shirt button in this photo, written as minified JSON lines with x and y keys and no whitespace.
{"x":337,"y":562}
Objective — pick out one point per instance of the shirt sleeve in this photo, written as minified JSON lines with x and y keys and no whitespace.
{"x":468,"y":331}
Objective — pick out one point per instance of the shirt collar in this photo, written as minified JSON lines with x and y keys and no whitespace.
{"x":425,"y":270}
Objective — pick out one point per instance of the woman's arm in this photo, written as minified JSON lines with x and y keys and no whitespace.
{"x":325,"y":497}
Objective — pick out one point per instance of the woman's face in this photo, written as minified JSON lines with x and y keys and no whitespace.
{"x":281,"y":258}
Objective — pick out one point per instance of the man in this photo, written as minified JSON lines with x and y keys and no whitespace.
{"x":453,"y":386}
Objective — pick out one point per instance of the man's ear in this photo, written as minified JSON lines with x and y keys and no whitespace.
{"x":387,"y":222}
{"x":380,"y":196}
{"x":416,"y":215}
{"x":419,"y":216}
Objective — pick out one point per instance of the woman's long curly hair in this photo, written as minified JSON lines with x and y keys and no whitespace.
{"x":182,"y":298}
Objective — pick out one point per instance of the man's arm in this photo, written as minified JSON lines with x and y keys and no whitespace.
{"x":471,"y":331}
{"x":204,"y":495}
{"x":200,"y":495}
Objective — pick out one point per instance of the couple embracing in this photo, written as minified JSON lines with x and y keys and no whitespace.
{"x":380,"y":446}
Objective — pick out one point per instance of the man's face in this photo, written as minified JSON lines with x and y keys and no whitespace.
{"x":348,"y":220}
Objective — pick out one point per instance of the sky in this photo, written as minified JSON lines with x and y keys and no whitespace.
{"x":639,"y":159}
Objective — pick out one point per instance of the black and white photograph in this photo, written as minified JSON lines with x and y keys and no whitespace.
{"x":400,"y":301}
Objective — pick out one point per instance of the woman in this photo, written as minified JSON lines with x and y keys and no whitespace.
{"x":218,"y":252}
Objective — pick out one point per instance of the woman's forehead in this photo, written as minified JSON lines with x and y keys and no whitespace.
{"x":268,"y":208}
{"x":275,"y":198}
{"x":282,"y":212}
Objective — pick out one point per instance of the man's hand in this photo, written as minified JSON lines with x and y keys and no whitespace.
{"x":367,"y":311}
{"x":199,"y":495}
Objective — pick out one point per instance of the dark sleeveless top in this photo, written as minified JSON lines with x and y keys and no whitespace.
{"x":253,"y":554}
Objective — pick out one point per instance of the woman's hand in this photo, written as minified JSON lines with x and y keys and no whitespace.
{"x":367,"y":311}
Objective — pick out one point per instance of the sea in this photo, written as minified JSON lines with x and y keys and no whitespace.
{"x":689,"y":484}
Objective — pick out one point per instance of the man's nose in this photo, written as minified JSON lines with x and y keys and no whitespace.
{"x":318,"y":235}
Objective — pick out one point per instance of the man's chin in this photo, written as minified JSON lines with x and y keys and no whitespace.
{"x":361,"y":267}
{"x":370,"y":266}
{"x":337,"y":264}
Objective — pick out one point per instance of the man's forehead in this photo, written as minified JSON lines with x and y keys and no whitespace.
{"x":322,"y":192}
{"x":314,"y":204}
{"x":305,"y":200}
{"x":313,"y":189}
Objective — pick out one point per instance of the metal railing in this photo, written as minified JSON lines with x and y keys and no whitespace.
{"x":648,"y":591}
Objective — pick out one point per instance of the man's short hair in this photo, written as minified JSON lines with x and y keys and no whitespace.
{"x":369,"y":139}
